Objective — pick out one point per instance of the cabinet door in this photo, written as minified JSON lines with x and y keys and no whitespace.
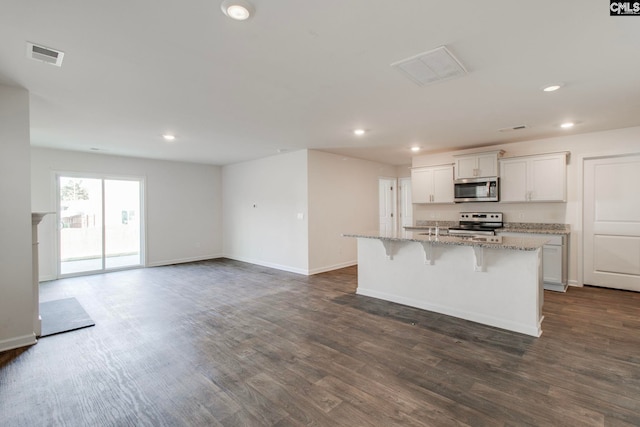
{"x":443,"y":184}
{"x":487,"y":165}
{"x":548,"y":181}
{"x":513,"y":180}
{"x":552,"y":264}
{"x":466,"y":167}
{"x":421,"y":185}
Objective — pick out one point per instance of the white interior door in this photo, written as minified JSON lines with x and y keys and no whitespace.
{"x":387,"y":202}
{"x":405,"y":202}
{"x":612,"y":222}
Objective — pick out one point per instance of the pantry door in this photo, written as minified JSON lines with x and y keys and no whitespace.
{"x":99,"y":224}
{"x":612,"y":222}
{"x":404,"y":200}
{"x":387,"y":204}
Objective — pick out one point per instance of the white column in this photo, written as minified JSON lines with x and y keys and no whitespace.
{"x":36,"y":218}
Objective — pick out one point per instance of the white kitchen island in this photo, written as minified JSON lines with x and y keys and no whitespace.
{"x":493,"y":280}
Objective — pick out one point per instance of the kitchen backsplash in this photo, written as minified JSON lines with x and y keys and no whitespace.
{"x":546,"y":213}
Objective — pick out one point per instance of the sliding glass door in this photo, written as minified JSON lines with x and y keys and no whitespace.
{"x":100,"y":224}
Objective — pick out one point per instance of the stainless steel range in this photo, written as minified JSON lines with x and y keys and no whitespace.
{"x":477,"y":224}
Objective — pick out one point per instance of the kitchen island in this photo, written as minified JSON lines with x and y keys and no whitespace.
{"x":492,"y":280}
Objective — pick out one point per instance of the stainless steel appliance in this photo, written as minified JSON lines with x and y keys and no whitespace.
{"x":475,"y":190}
{"x":477,"y":224}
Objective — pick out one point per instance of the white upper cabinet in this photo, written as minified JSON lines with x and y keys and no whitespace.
{"x":432,"y":184}
{"x":479,"y":165}
{"x":540,"y":178}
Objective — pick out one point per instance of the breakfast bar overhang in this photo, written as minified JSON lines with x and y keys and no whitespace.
{"x":492,"y":280}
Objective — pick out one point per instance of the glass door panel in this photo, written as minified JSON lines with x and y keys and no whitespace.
{"x":80,"y":225}
{"x":122,"y":223}
{"x":100,"y":224}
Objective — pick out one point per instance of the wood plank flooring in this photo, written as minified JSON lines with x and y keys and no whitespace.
{"x":225,"y":343}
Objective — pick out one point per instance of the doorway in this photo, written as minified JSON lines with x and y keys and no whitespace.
{"x":612,"y":222}
{"x":395,"y":205}
{"x":405,"y":202}
{"x":99,"y":224}
{"x":387,"y":204}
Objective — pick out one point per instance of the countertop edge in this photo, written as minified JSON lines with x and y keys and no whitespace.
{"x":526,"y":243}
{"x":552,"y":231}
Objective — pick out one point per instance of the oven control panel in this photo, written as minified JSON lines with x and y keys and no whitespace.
{"x":467,"y":217}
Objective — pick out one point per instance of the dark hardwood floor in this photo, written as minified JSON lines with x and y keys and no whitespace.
{"x":224,"y":343}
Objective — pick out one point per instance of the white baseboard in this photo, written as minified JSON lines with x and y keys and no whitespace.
{"x":575,"y":283}
{"x":333,"y":267}
{"x":290,"y":269}
{"x":17,"y":342}
{"x":183,"y":260}
{"x":269,"y":264}
{"x":47,"y":278}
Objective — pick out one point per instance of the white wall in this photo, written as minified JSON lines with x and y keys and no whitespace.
{"x":343,"y":198}
{"x":16,"y":289}
{"x":614,"y":142}
{"x":183,"y":214}
{"x":261,"y":203}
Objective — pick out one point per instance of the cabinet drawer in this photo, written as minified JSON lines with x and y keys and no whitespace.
{"x":555,"y":240}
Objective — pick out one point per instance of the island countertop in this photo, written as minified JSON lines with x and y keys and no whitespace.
{"x":511,"y":227}
{"x":497,"y":242}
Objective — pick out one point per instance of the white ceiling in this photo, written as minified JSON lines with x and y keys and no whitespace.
{"x":304,"y":74}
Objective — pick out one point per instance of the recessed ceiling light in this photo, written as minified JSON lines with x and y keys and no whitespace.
{"x":359,"y":132}
{"x":552,"y":88}
{"x":168,"y":137}
{"x":567,"y":125}
{"x":415,"y":149}
{"x":237,"y":9}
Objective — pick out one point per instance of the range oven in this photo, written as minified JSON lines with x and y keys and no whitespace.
{"x":477,"y":224}
{"x":475,"y":190}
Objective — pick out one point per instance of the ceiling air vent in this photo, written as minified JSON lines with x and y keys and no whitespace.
{"x":44,"y":54}
{"x":430,"y":67}
{"x":511,"y":129}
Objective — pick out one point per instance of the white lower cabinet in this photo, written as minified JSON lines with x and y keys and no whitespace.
{"x":554,"y":259}
{"x":432,"y":184}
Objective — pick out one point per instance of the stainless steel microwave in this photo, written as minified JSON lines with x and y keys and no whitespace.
{"x":475,"y":190}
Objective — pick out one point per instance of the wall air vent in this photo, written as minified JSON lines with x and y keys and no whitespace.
{"x":511,"y":129}
{"x":44,"y":54}
{"x":430,"y":67}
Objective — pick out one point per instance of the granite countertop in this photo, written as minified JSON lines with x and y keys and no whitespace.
{"x":496,"y":242}
{"x":536,"y":228}
{"x":511,"y":227}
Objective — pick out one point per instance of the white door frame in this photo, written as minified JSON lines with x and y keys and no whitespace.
{"x":402,"y":181}
{"x":394,"y":199}
{"x":581,"y":191}
{"x":143,"y":217}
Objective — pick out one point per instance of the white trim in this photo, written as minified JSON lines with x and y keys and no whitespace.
{"x":142,"y":181}
{"x":17,"y":342}
{"x":462,"y":314}
{"x":269,"y":264}
{"x":184,"y":260}
{"x":580,"y":218}
{"x":332,"y":267}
